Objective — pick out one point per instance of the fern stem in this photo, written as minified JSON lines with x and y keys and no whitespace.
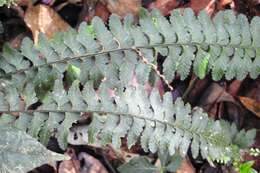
{"x":154,"y":67}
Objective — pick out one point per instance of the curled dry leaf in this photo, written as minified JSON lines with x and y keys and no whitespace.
{"x":234,"y":87}
{"x":123,"y":7}
{"x":215,"y":94}
{"x":16,"y":41}
{"x":222,"y":4}
{"x":198,"y":89}
{"x":225,"y":2}
{"x":165,"y":6}
{"x":91,"y":165}
{"x":100,"y":11}
{"x":252,"y":105}
{"x":253,"y":90}
{"x":70,"y":166}
{"x":93,"y":8}
{"x":186,"y":167}
{"x":208,"y":5}
{"x":42,"y":18}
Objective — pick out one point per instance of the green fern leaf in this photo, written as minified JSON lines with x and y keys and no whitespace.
{"x":230,"y":41}
{"x":21,"y":153}
{"x":6,"y":2}
{"x":138,"y":164}
{"x":129,"y":112}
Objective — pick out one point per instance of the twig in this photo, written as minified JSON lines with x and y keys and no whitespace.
{"x":153,"y":66}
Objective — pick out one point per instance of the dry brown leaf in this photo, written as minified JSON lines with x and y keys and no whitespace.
{"x":42,"y":18}
{"x":67,"y":166}
{"x":70,"y":166}
{"x":199,"y":88}
{"x":123,"y":155}
{"x":165,"y":6}
{"x":225,"y":2}
{"x":91,"y":9}
{"x":17,"y":40}
{"x":123,"y":7}
{"x":252,"y":90}
{"x":234,"y":87}
{"x":100,"y":11}
{"x":252,"y":105}
{"x":215,"y":94}
{"x":186,"y":167}
{"x":208,"y":5}
{"x":91,"y":165}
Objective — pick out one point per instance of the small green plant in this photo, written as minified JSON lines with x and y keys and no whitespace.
{"x":245,"y":167}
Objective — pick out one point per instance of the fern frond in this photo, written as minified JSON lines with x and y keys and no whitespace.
{"x":129,"y":112}
{"x":228,"y":45}
{"x":6,"y":2}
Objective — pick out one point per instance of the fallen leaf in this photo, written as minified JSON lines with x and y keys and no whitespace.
{"x":16,"y":41}
{"x":165,"y":6}
{"x":215,"y":94}
{"x":111,"y":154}
{"x":197,"y":90}
{"x":247,"y":7}
{"x":90,"y":11}
{"x":42,"y":18}
{"x":252,"y":105}
{"x":208,"y":5}
{"x":123,"y":7}
{"x":253,"y":89}
{"x":90,"y":164}
{"x":225,"y":2}
{"x":234,"y":87}
{"x":234,"y":113}
{"x":102,"y":11}
{"x":70,"y":166}
{"x":186,"y":167}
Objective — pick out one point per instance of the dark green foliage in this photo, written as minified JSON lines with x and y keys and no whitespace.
{"x":20,"y":153}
